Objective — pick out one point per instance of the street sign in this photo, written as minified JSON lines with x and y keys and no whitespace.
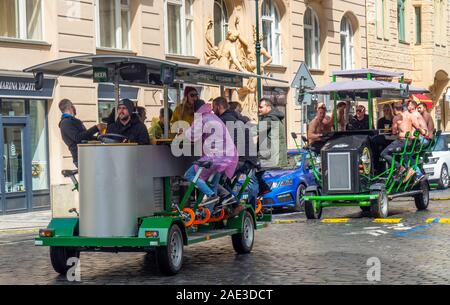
{"x":303,"y":81}
{"x":303,"y":73}
{"x":100,"y":75}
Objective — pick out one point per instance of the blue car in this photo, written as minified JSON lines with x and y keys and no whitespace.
{"x":288,"y":185}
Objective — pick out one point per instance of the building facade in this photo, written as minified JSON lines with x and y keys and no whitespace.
{"x":326,"y":35}
{"x":412,"y":36}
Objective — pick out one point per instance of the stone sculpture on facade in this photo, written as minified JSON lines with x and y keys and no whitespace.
{"x":236,"y":53}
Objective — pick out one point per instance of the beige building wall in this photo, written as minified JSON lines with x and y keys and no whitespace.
{"x":427,"y":63}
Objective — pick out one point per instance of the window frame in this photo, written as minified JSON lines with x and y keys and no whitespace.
{"x":401,"y":20}
{"x":183,"y":27}
{"x":315,"y":52}
{"x":418,"y":24}
{"x":275,"y":29}
{"x":21,"y":22}
{"x":349,"y":44}
{"x":118,"y":8}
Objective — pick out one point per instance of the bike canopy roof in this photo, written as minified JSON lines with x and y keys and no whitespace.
{"x":84,"y":67}
{"x":362,"y":85}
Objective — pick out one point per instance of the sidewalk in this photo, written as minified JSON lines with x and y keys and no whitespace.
{"x":24,"y":222}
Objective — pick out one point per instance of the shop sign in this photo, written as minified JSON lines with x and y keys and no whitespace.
{"x":193,"y":76}
{"x":25,"y":87}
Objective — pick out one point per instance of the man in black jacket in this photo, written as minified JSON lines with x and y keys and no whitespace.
{"x":360,"y":121}
{"x":129,"y":125}
{"x":73,"y":131}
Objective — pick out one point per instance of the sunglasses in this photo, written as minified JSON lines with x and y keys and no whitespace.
{"x":193,"y":95}
{"x":360,"y":110}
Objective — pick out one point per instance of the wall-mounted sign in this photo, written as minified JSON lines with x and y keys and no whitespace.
{"x":100,"y":75}
{"x":203,"y":77}
{"x":25,"y":87}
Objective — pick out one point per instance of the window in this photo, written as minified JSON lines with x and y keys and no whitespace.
{"x":179,"y":27}
{"x":312,"y":39}
{"x":21,"y":19}
{"x":220,"y":21}
{"x":382,"y":14}
{"x":271,"y":30}
{"x":347,"y":47}
{"x":418,"y":17}
{"x":440,"y":27}
{"x":401,"y":20}
{"x":113,"y":24}
{"x":39,"y":144}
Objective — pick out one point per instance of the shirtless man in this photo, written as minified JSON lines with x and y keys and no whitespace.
{"x":320,"y":124}
{"x":422,"y":109}
{"x":401,"y":124}
{"x":419,"y":123}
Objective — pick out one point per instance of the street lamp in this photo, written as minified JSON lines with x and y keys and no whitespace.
{"x":258,"y":53}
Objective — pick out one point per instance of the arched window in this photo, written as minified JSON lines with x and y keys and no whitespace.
{"x":271,"y":30}
{"x":312,"y":39}
{"x":347,"y":47}
{"x":220,"y":21}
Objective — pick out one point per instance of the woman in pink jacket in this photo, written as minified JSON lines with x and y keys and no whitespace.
{"x":217,"y":147}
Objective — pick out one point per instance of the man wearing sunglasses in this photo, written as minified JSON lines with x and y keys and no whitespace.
{"x":360,"y":121}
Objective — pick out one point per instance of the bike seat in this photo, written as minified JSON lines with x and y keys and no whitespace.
{"x":204,"y":164}
{"x":67,"y":172}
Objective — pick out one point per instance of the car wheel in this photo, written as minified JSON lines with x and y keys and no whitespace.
{"x":170,"y":258}
{"x":312,"y":211}
{"x":59,"y":257}
{"x":299,"y":202}
{"x":422,"y":200}
{"x":444,"y":178}
{"x":243,"y":242}
{"x":380,"y":206}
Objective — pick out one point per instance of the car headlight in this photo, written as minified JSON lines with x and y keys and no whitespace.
{"x":433,"y":160}
{"x":282,"y":183}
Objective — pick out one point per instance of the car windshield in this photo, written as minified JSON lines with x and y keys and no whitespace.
{"x":294,"y":161}
{"x":442,"y":143}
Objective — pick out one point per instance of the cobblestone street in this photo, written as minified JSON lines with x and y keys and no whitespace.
{"x":412,"y":248}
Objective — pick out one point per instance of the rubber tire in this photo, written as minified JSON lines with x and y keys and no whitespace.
{"x":239,"y":240}
{"x":163,"y":253}
{"x":441,"y":184}
{"x":376,"y":208}
{"x":309,"y":208}
{"x":298,"y":204}
{"x":365,"y":208}
{"x":59,"y":257}
{"x":423,"y":200}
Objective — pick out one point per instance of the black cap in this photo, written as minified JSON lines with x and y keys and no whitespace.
{"x":198,"y":104}
{"x":129,"y":104}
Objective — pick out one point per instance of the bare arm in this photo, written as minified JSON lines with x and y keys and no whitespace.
{"x":312,"y":135}
{"x":395,"y":125}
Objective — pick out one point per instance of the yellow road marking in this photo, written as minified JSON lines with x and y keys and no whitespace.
{"x":280,"y":221}
{"x":18,"y":231}
{"x":444,"y":220}
{"x":335,"y":220}
{"x":430,"y":220}
{"x":440,"y":198}
{"x":387,"y":220}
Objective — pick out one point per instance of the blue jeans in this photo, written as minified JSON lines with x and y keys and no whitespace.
{"x":201,"y":184}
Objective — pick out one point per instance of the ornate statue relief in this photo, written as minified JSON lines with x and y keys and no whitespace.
{"x":236,"y":53}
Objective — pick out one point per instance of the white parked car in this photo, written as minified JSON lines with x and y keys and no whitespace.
{"x":437,"y":167}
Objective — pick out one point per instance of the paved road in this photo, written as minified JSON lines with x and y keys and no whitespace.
{"x":291,"y":251}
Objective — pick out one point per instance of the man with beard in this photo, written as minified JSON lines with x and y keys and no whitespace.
{"x":129,"y":125}
{"x":319,"y":125}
